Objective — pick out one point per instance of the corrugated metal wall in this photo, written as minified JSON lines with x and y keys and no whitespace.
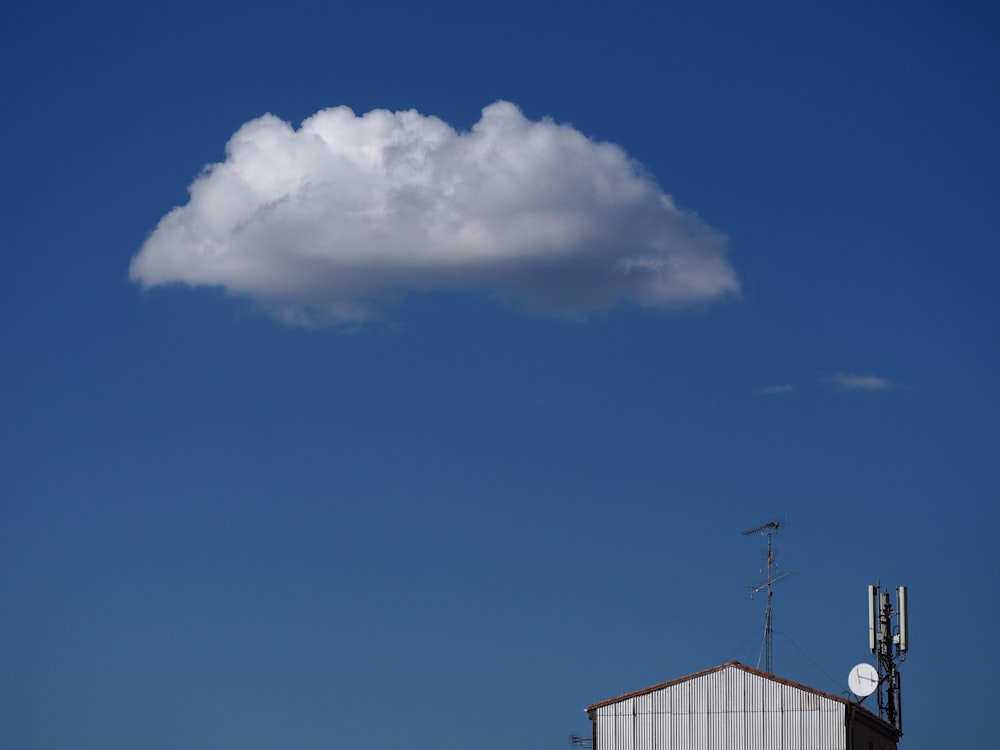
{"x":729,"y":709}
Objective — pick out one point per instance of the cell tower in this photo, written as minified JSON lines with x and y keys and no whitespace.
{"x":769,"y":530}
{"x":889,"y":641}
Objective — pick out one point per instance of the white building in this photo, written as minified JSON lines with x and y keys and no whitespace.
{"x":735,"y":707}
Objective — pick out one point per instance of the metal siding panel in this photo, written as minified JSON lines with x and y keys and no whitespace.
{"x":680,"y":707}
{"x":808,"y":721}
{"x":697,"y":730}
{"x":680,"y":731}
{"x":771,"y":711}
{"x":791,"y":737}
{"x":736,"y":690}
{"x":627,"y":727}
{"x":614,"y":725}
{"x":644,"y":723}
{"x":772,"y":700}
{"x":714,"y":714}
{"x":699,"y":696}
{"x":736,"y":730}
{"x":789,"y":698}
{"x":699,"y":712}
{"x":754,"y":692}
{"x":736,"y":714}
{"x":834,"y":732}
{"x":604,"y":728}
{"x":715,"y":730}
{"x":607,"y":727}
{"x":715,"y":692}
{"x":755,"y":723}
{"x":795,"y":704}
{"x":680,"y":702}
{"x":717,"y":708}
{"x":814,"y":724}
{"x":662,"y":720}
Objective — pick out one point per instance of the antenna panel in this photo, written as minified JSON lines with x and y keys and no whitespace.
{"x":904,"y":625}
{"x":872,"y":616}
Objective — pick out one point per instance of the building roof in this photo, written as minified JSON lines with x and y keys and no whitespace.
{"x":864,"y":712}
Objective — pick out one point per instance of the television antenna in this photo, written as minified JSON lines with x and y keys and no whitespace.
{"x":768,"y":530}
{"x":889,"y":641}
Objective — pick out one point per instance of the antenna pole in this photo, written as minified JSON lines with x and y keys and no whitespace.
{"x":769,"y":530}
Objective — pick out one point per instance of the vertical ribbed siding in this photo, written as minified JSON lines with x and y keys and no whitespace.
{"x":729,"y":708}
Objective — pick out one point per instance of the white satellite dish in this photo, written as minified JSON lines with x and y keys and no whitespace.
{"x":863,"y":680}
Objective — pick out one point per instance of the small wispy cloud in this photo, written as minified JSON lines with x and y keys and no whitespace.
{"x":772,"y":390}
{"x":860,"y":382}
{"x":334,"y":220}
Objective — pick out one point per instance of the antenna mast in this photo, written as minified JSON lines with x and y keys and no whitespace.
{"x":890,"y":646}
{"x":769,"y":530}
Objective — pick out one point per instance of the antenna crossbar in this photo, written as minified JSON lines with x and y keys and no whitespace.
{"x":762,"y":587}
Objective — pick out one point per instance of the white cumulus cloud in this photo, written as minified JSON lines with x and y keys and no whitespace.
{"x":335,"y":219}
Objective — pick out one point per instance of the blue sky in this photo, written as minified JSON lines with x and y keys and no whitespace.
{"x":250,"y":519}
